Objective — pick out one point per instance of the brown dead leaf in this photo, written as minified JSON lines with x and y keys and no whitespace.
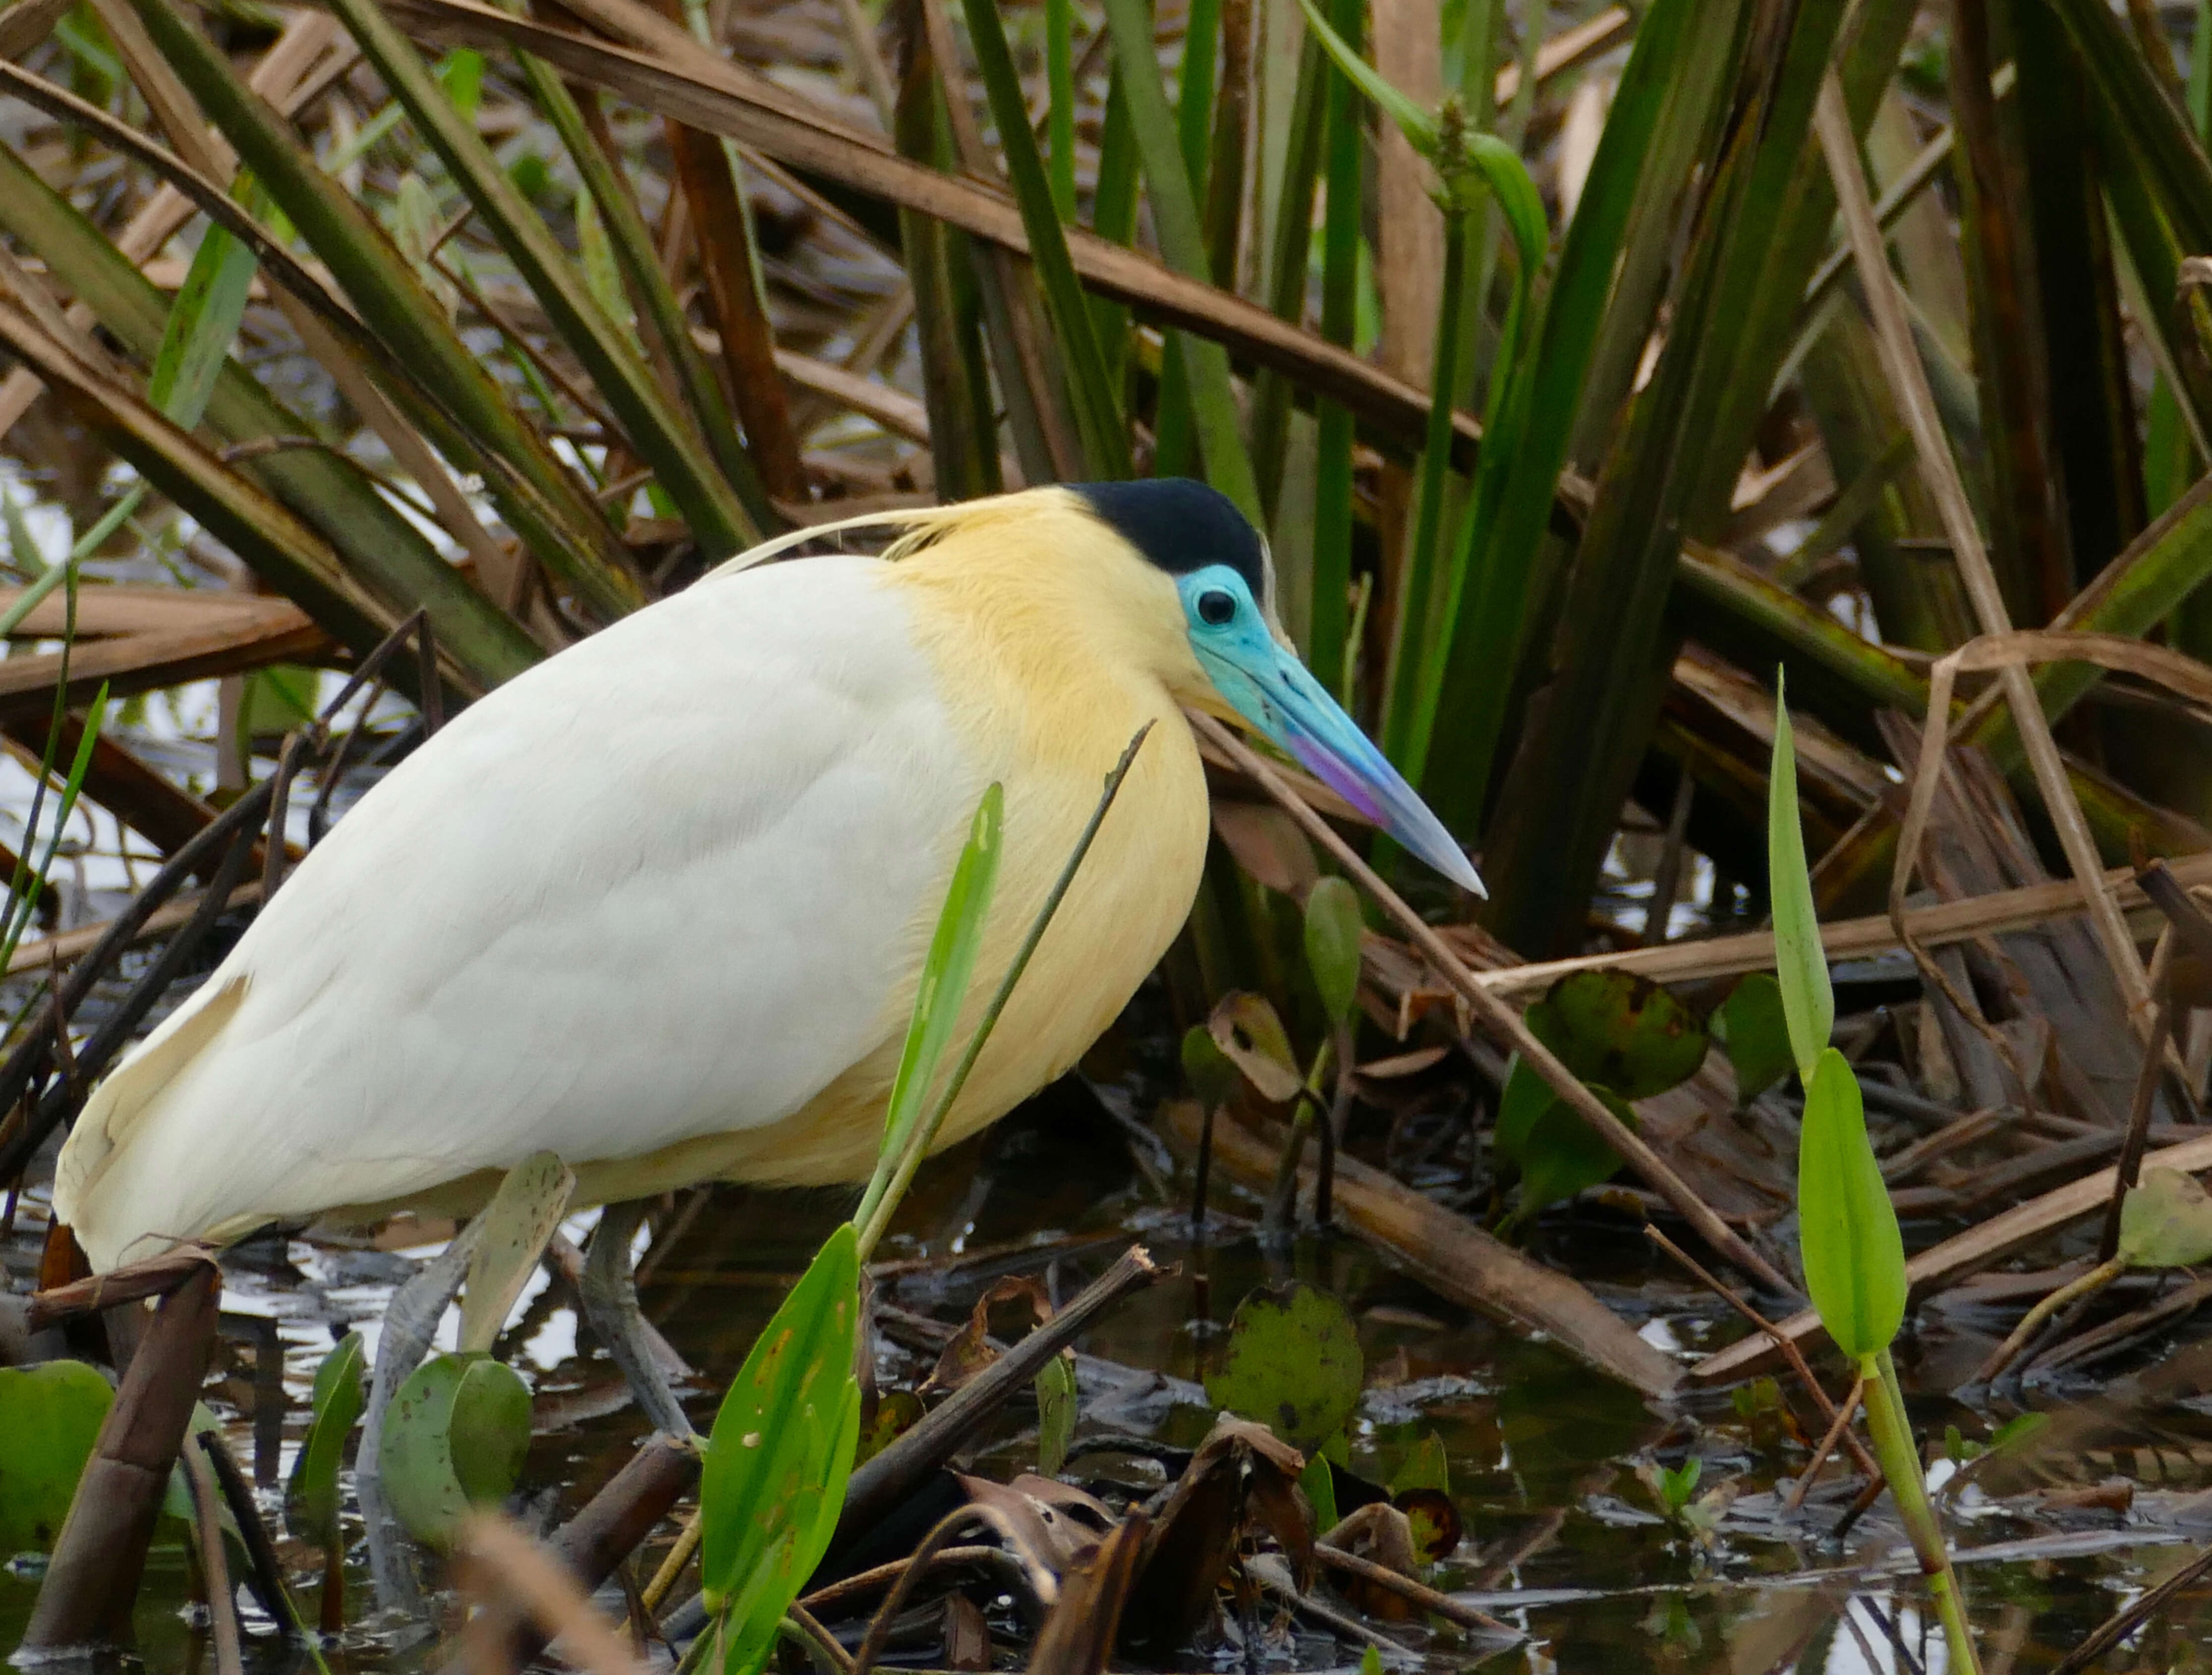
{"x":971,"y":1351}
{"x":1245,"y":1027}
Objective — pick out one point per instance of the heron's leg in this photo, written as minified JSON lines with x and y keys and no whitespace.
{"x":610,"y":1297}
{"x":410,"y":1323}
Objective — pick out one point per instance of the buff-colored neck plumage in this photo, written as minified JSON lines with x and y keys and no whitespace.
{"x":1053,"y":642}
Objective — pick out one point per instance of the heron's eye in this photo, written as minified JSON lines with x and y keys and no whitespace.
{"x":1216,"y":607}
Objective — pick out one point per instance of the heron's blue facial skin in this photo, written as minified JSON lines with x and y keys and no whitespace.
{"x":1271,"y":689}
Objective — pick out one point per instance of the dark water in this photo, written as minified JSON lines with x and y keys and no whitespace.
{"x":1563,"y":1541}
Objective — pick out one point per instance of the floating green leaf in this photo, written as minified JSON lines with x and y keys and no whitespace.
{"x":455,"y":1436}
{"x":1847,"y":1232}
{"x":1292,"y":1363}
{"x":1620,"y":1030}
{"x":1753,"y":1026}
{"x":2166,"y":1221}
{"x":311,"y":1499}
{"x":51,"y":1416}
{"x":1333,"y":934}
{"x":780,"y":1451}
{"x":1800,"y":965}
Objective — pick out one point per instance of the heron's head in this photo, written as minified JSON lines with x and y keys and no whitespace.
{"x":1239,"y":663}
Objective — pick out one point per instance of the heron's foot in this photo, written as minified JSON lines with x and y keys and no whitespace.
{"x":610,"y":1299}
{"x":410,"y":1324}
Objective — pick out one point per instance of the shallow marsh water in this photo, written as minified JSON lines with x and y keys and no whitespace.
{"x":1563,"y":1538}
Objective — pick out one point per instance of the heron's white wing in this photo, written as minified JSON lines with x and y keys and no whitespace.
{"x":666,"y":884}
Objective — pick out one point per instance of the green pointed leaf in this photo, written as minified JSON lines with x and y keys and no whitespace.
{"x":1507,"y":178}
{"x":1292,"y":1363}
{"x":1853,"y":1254}
{"x":780,"y":1453}
{"x":311,"y":1499}
{"x":1056,"y":1411}
{"x":946,"y":971}
{"x":455,"y":1436}
{"x":2166,"y":1221}
{"x":1332,"y":932}
{"x":602,"y":274}
{"x":1318,"y":1482}
{"x":1419,"y":126}
{"x":1424,"y":1466}
{"x":461,"y":73}
{"x":202,"y":323}
{"x":1753,"y":1026}
{"x":50,"y":1415}
{"x":1800,"y":965}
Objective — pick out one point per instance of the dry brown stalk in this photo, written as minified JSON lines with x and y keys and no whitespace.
{"x":1933,"y":927}
{"x":1908,"y":381}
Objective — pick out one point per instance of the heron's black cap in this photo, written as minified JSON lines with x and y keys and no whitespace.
{"x":1182,"y":525}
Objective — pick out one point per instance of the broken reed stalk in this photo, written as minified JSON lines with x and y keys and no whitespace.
{"x":1500,"y":1021}
{"x":92,"y":1580}
{"x":1908,"y":382}
{"x":878,"y":1483}
{"x":1840,"y":1427}
{"x":2129,"y":1169}
{"x":215,"y":1564}
{"x":1408,"y":1588}
{"x":266,"y":1572}
{"x":2090,"y":1654}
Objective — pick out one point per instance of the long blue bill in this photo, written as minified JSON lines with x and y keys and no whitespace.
{"x":1271,"y":690}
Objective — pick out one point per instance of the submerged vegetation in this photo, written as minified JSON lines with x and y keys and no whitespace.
{"x":1549,"y":1281}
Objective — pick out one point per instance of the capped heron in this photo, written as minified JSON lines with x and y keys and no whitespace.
{"x":658,"y":905}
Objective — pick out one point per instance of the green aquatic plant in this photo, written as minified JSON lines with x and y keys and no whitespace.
{"x":1849,"y":1241}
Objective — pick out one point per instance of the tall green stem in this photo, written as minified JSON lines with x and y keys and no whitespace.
{"x":1899,"y":1456}
{"x":1434,"y":490}
{"x":1339,"y":295}
{"x":1060,"y":119}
